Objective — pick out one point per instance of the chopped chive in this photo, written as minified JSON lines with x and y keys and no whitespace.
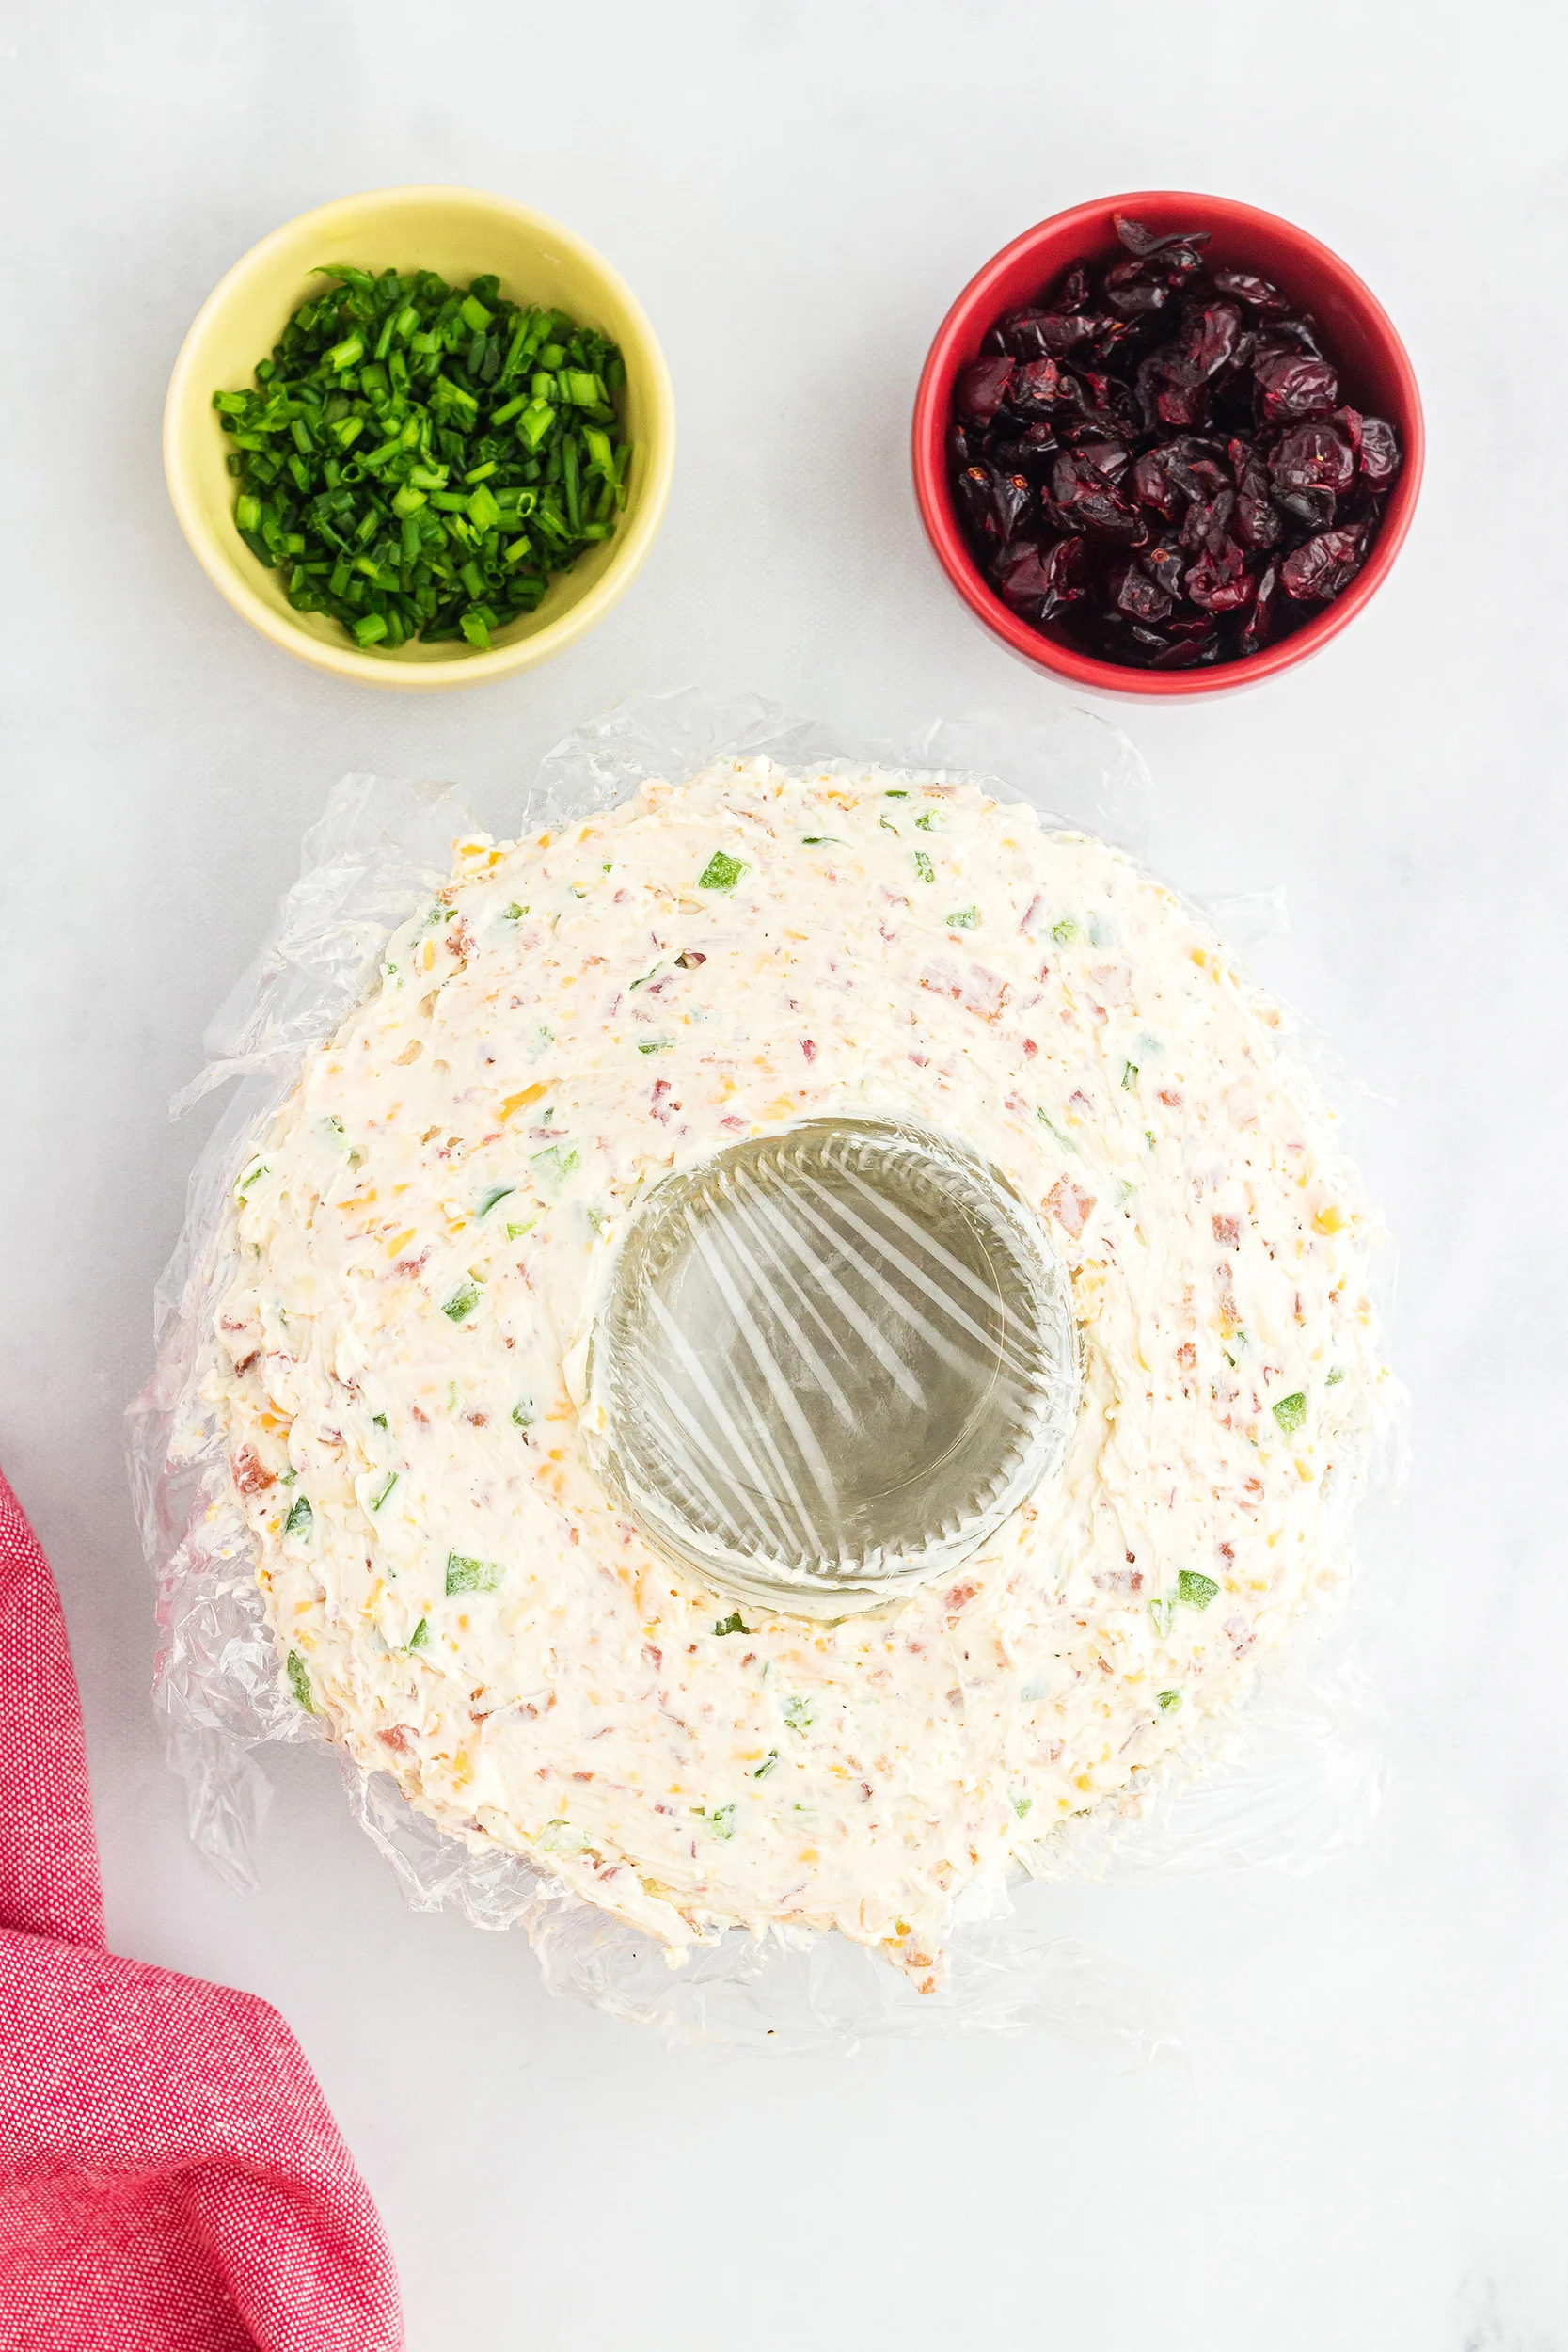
{"x":1290,"y":1412}
{"x":420,"y":1635}
{"x":376,"y":1500}
{"x":500,"y":1192}
{"x":426,"y":383}
{"x":299,"y":1682}
{"x":923,"y":867}
{"x":732,"y":1623}
{"x":460,"y":1306}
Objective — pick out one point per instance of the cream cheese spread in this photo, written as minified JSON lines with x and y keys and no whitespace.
{"x":420,"y":1243}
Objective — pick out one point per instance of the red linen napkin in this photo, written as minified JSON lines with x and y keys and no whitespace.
{"x":170,"y":2179}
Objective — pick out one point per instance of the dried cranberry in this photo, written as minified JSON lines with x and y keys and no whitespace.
{"x":1133,"y":592}
{"x":1320,"y":569}
{"x":1019,"y":333}
{"x":983,"y":387}
{"x":1219,"y":581}
{"x":1153,"y":485}
{"x":1257,"y":523}
{"x":1073,"y":291}
{"x":1084,"y":500}
{"x":1038,"y":388}
{"x":1167,"y":561}
{"x":1143,"y":242}
{"x":1256,"y":292}
{"x":1379,"y":453}
{"x":1291,"y":385}
{"x":1311,"y":467}
{"x":1047,"y":579}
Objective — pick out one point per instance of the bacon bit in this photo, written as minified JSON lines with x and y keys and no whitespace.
{"x":1227,"y":1229}
{"x":1071,"y":1208}
{"x":1118,"y":1580}
{"x":412,"y":1265}
{"x":1229,"y":1318}
{"x":479,"y":1420}
{"x":421,"y":1414}
{"x":582,"y":1775}
{"x":1030,"y":911}
{"x":1029,"y":1046}
{"x":1078,"y":1101}
{"x":1186,"y":1356}
{"x":864,"y":1788}
{"x":660,"y":1108}
{"x":228,"y":1323}
{"x":245,"y":1361}
{"x":959,"y":1595}
{"x":733,"y":1122}
{"x":691,"y":958}
{"x":460,"y":940}
{"x":954,"y":1696}
{"x":808,"y":1047}
{"x":514,"y":1103}
{"x":1301,"y":1311}
{"x":397,"y":1740}
{"x":1228,"y":1554}
{"x":1171,"y":1098}
{"x":249,"y":1475}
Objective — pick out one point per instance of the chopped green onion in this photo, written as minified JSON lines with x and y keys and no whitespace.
{"x":1194,"y":1591}
{"x":471,"y":1576}
{"x":500,"y":1192}
{"x":1290,"y":1412}
{"x":377,"y":1500}
{"x":1066,"y":931}
{"x":923,"y":867}
{"x":767,"y":1765}
{"x":420,"y":1635}
{"x":721,"y":872}
{"x":462,"y":1302}
{"x":299,"y":1682}
{"x":966,"y":919}
{"x":301,"y":1520}
{"x":1129,"y":1075}
{"x":1169,"y":1701}
{"x":798,"y":1715}
{"x":732,"y":1623}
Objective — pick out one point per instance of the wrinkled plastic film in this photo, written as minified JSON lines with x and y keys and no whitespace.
{"x":1294,"y":1776}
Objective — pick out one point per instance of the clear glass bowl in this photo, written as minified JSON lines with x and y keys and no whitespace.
{"x":830,"y":1363}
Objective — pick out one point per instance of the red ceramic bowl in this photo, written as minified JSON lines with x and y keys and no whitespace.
{"x":1374,"y":374}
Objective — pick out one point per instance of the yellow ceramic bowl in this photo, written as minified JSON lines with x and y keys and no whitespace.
{"x":463,"y":234}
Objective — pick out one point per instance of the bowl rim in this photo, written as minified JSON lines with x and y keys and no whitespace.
{"x":630,"y":548}
{"x":928,"y":435}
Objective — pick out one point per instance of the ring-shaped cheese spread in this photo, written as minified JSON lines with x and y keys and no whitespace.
{"x":420,"y":1241}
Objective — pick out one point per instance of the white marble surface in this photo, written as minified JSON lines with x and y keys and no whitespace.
{"x":1366,"y":2148}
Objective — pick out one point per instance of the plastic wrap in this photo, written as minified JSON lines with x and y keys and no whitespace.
{"x":1292,"y":1779}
